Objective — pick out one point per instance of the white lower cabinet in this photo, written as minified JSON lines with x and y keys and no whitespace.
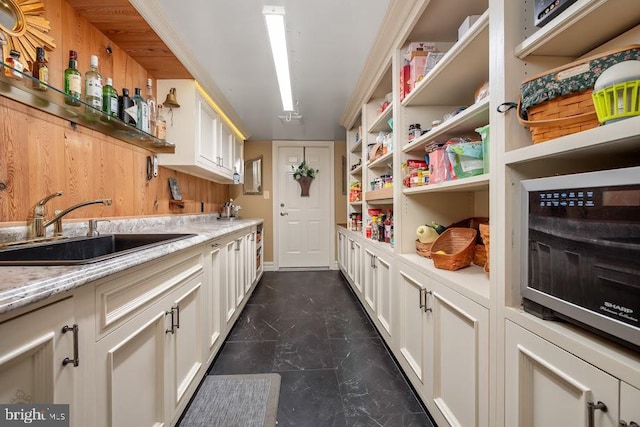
{"x":377,"y":288}
{"x":442,"y":341}
{"x":354,"y":250}
{"x":546,"y":385}
{"x":216,"y":270}
{"x":37,"y":354}
{"x":239,"y":254}
{"x":149,"y":363}
{"x":342,"y":251}
{"x":370,"y":280}
{"x":230,"y":282}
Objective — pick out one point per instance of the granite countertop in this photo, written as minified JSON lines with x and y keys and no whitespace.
{"x":21,"y":286}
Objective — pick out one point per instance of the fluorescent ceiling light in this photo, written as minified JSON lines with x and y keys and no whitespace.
{"x":274,"y":15}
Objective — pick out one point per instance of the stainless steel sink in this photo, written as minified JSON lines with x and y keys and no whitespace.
{"x":83,"y":250}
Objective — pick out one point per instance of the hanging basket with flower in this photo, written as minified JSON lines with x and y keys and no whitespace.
{"x":304,"y":175}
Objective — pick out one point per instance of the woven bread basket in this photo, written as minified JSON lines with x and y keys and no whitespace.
{"x":458,"y":245}
{"x":423,"y":249}
{"x":480,"y":255}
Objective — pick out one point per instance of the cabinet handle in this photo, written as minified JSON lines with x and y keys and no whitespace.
{"x":215,"y":245}
{"x":76,"y":358}
{"x":631,"y":424}
{"x":423,"y":304}
{"x":592,"y":408}
{"x":427,"y":309}
{"x":172,"y":313}
{"x":352,"y":245}
{"x":177,"y":307}
{"x":237,"y":245}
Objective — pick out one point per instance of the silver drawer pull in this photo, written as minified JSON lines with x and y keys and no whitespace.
{"x":592,"y":408}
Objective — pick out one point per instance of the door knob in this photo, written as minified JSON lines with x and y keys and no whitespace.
{"x":284,"y":213}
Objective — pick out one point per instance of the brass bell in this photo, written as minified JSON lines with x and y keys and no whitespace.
{"x":171,"y":101}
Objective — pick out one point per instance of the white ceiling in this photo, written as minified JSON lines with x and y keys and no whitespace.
{"x":328,"y":41}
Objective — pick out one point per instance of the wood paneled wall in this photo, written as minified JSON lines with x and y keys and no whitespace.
{"x":41,"y":154}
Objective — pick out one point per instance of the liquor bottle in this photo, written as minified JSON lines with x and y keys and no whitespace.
{"x":40,"y":71}
{"x":72,"y":81}
{"x":142,"y":111}
{"x":161,"y":124}
{"x":127,"y":108}
{"x":109,"y":99}
{"x":152,"y":108}
{"x":13,"y":61}
{"x":93,"y":87}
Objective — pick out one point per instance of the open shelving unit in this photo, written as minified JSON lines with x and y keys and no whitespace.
{"x":52,"y":101}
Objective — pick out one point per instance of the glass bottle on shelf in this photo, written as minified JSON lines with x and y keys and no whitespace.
{"x":152,"y":108}
{"x":142,"y":111}
{"x":13,"y":61}
{"x":161,"y":124}
{"x":127,"y":108}
{"x":93,"y":87}
{"x":40,"y":71}
{"x":72,"y":81}
{"x":109,"y":99}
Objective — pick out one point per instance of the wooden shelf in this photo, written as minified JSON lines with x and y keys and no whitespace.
{"x":357,"y":147}
{"x":381,"y":162}
{"x":380,"y":124}
{"x":384,"y":194}
{"x":356,"y":171}
{"x":474,"y":183}
{"x":605,"y":140}
{"x":457,"y":76}
{"x":466,"y":122}
{"x":584,"y":26}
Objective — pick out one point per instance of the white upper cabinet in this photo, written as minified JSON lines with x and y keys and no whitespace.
{"x":205,"y":145}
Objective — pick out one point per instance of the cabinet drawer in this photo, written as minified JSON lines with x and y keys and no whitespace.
{"x":124,"y":296}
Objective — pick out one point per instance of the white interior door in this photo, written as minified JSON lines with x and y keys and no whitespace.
{"x":304,"y":223}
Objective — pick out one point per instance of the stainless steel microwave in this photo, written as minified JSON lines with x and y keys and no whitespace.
{"x":580,"y":251}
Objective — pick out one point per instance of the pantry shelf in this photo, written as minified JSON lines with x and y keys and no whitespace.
{"x":380,"y":124}
{"x":381,"y":161}
{"x":466,"y":122}
{"x":580,"y":28}
{"x":474,"y":183}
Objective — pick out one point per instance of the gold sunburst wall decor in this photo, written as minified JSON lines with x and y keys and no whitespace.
{"x":25,"y":28}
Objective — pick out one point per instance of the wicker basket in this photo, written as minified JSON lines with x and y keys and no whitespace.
{"x":561,"y":116}
{"x":484,"y":232}
{"x":480,"y":255}
{"x":458,"y":245}
{"x":423,"y":249}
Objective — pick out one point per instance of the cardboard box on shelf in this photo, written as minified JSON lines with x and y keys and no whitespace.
{"x":422,"y":48}
{"x":416,"y":70}
{"x":405,"y":87}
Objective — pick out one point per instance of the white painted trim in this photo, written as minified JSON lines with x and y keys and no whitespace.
{"x":268,"y":266}
{"x":275,"y":146}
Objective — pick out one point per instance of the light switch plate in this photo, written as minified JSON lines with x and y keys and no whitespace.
{"x":266,"y":195}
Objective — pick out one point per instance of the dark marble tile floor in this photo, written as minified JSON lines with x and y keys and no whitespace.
{"x":309,"y":327}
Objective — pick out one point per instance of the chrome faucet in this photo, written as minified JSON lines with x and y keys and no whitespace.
{"x":37,"y":221}
{"x":38,"y":215}
{"x":57,"y":219}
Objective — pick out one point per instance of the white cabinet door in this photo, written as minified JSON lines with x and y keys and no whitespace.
{"x":208,"y":132}
{"x":216,"y":272}
{"x":384,"y":292}
{"x":370,"y":278}
{"x":458,"y":357}
{"x":342,"y":251}
{"x":547,"y":386}
{"x":32,"y":350}
{"x":249,"y":254}
{"x":226,"y":145}
{"x":230,"y":280}
{"x":356,"y":259}
{"x":132,"y":371}
{"x":411,"y":334}
{"x":185,"y":346}
{"x":352,"y":258}
{"x":443,"y":347}
{"x":629,"y":405}
{"x":240,"y":270}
